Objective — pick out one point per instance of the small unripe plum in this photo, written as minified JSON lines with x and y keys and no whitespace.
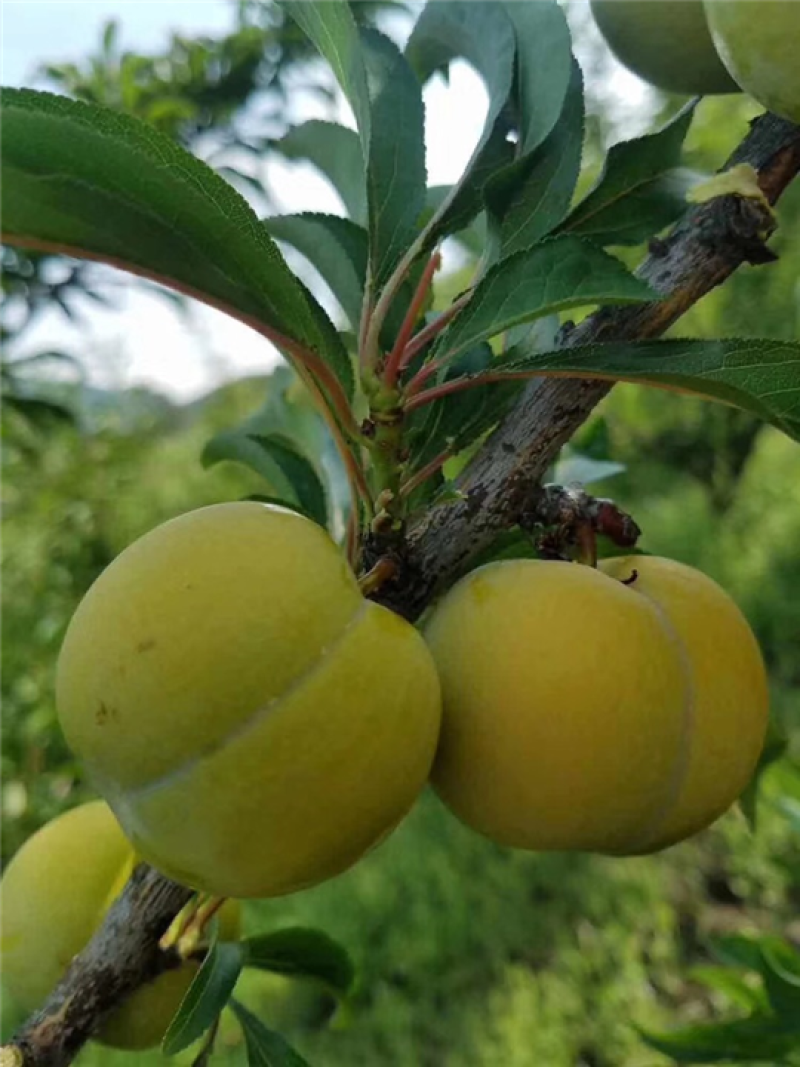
{"x":665,"y":42}
{"x":55,"y":893}
{"x":759,"y":43}
{"x":584,"y":713}
{"x":254,"y":722}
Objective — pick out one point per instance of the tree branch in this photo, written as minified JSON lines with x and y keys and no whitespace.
{"x":702,"y":251}
{"x":123,"y":954}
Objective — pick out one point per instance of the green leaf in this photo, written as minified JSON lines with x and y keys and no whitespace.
{"x":338,"y":249}
{"x":732,"y":985}
{"x":561,"y":273}
{"x":456,"y":205}
{"x":336,"y":152}
{"x":299,"y":472}
{"x":758,"y":1039}
{"x":396,"y":170}
{"x":265,"y":1048}
{"x":544,"y":67}
{"x":775,"y":745}
{"x":95,"y":183}
{"x":640,"y":190}
{"x":333,"y":31}
{"x":529,"y":198}
{"x":761,"y":376}
{"x":737,"y":950}
{"x":302,"y":952}
{"x":781,"y":972}
{"x":205,"y":998}
{"x":277,"y":459}
{"x":481,"y":33}
{"x":387,"y":103}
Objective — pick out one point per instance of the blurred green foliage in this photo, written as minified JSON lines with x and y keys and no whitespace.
{"x":470,"y":955}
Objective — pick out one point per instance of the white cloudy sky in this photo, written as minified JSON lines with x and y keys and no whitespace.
{"x":143,"y":341}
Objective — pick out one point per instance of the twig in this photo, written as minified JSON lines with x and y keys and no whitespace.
{"x":700,"y":253}
{"x":397,"y":361}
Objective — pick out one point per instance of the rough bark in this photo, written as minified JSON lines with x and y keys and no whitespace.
{"x":704,"y":249}
{"x":701,"y":252}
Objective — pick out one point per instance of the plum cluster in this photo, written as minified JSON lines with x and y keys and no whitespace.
{"x":710,"y":46}
{"x":256,"y":725}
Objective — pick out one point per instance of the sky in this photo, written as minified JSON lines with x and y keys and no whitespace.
{"x":143,"y":341}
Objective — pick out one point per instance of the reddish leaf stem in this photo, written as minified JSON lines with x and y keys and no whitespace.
{"x":458,"y":385}
{"x":433,"y":329}
{"x":395,"y":362}
{"x":422,"y":475}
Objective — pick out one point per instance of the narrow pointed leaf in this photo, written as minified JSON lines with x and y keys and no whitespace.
{"x":482,"y":33}
{"x":530,"y":197}
{"x":731,"y":984}
{"x":91,"y":182}
{"x":336,"y":152}
{"x":387,"y":104}
{"x":299,"y":472}
{"x":277,"y":459}
{"x":338,"y":249}
{"x":640,"y":190}
{"x":565,"y":272}
{"x":396,"y":168}
{"x":781,"y":972}
{"x":302,"y":952}
{"x":761,"y":376}
{"x":205,"y":998}
{"x":544,"y":66}
{"x":265,"y":1048}
{"x":758,"y":1039}
{"x":333,"y":31}
{"x":457,"y":205}
{"x":775,"y":746}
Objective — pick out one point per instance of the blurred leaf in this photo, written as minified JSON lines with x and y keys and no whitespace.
{"x":561,"y":273}
{"x":758,"y":375}
{"x":737,"y":950}
{"x":90,"y":182}
{"x":584,"y":469}
{"x":39,"y":412}
{"x":532,"y":195}
{"x":265,"y":1048}
{"x":336,"y":152}
{"x":338,"y":249}
{"x":758,"y":1039}
{"x":776,"y":743}
{"x":781,"y":973}
{"x":302,"y":952}
{"x":276,"y":459}
{"x":544,"y":67}
{"x":639,"y":191}
{"x":732,"y":985}
{"x":205,"y":998}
